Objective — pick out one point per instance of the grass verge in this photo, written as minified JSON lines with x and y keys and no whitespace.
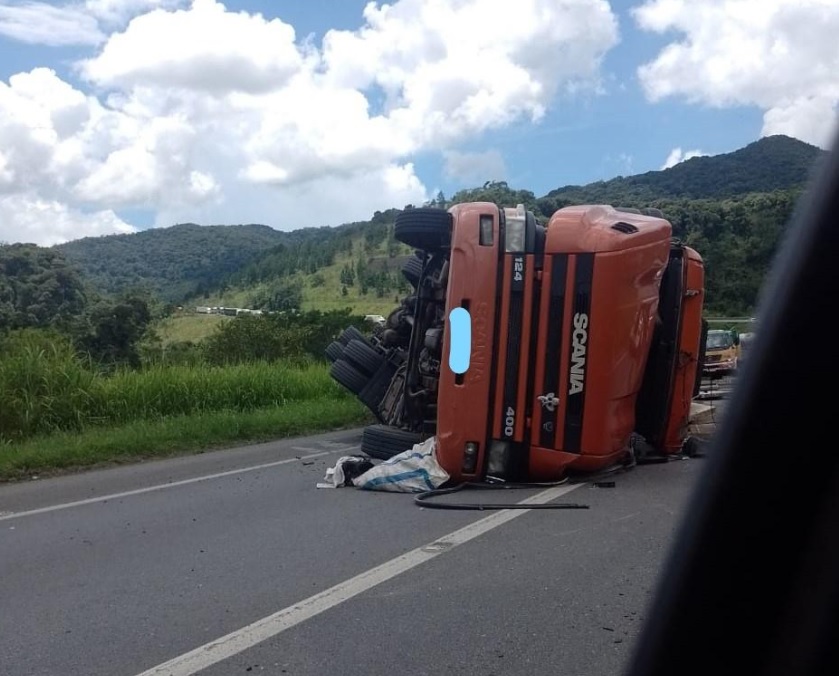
{"x":67,"y":451}
{"x":188,"y":327}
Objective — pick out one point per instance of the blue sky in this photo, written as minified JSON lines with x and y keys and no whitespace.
{"x":599,"y":138}
{"x":259,"y":126}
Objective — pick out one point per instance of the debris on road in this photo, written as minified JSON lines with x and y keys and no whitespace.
{"x":413,"y":471}
{"x":346,"y":469}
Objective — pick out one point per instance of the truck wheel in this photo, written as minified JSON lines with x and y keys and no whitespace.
{"x":362,"y":356}
{"x":351,"y":333}
{"x":384,"y":441}
{"x":348,"y":376}
{"x":411,"y":270}
{"x":425,"y":228}
{"x":334,"y":351}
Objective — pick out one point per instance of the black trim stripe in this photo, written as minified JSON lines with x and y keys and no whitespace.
{"x":553,"y":348}
{"x":533,"y":301}
{"x":493,"y":372}
{"x":514,"y":346}
{"x":575,"y":408}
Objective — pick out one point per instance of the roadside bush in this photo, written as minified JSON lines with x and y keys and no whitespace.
{"x":254,"y":338}
{"x":281,"y":336}
{"x":324,"y":327}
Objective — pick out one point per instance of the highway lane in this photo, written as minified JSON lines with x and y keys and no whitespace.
{"x":198,"y":548}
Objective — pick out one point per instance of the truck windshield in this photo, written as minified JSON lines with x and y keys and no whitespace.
{"x":718,"y":341}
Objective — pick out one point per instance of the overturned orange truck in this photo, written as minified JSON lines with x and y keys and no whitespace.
{"x":585,"y":342}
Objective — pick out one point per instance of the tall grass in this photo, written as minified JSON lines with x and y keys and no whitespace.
{"x":45,"y":388}
{"x":176,"y":390}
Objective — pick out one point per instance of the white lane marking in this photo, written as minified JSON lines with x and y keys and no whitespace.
{"x":628,"y":516}
{"x":268,"y":627}
{"x":184,"y":482}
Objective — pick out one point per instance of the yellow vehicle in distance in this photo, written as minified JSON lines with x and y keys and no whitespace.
{"x":722,"y":352}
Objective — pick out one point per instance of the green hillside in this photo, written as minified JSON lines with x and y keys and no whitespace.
{"x":268,"y":284}
{"x":732,"y":208}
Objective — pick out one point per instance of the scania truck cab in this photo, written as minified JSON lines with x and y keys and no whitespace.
{"x":584,"y":340}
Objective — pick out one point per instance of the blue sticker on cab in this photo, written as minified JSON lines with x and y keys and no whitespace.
{"x":460,"y":330}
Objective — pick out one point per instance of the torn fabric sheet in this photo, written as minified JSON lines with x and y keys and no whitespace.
{"x":412,"y":471}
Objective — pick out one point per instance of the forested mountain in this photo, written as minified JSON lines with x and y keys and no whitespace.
{"x":732,"y":208}
{"x":772,"y":163}
{"x":40,"y":290}
{"x":173,"y":262}
{"x":37,"y":287}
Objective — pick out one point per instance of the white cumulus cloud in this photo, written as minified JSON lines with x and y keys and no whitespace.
{"x":199,"y":113}
{"x":203,"y":48}
{"x":41,"y":23}
{"x":69,"y":148}
{"x":119,"y":12}
{"x":71,"y":23}
{"x":26,"y":217}
{"x":778,"y":55}
{"x":452,"y":66}
{"x":677,"y":155}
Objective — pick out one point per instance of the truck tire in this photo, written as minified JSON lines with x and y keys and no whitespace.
{"x":425,"y":228}
{"x":411,"y":270}
{"x":362,"y":356}
{"x":334,"y":351}
{"x":351,"y":333}
{"x":348,"y":376}
{"x":384,"y":441}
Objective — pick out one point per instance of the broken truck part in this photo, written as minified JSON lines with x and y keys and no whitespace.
{"x":584,"y":351}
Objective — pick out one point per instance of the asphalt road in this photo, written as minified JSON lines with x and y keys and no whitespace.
{"x":187,"y":551}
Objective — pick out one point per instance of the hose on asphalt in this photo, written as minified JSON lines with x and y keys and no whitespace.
{"x":423,"y":498}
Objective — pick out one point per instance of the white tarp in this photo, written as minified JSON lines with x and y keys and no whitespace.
{"x":412,"y":471}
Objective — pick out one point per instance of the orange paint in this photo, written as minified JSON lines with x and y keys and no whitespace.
{"x":689,"y":339}
{"x":598,"y":300}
